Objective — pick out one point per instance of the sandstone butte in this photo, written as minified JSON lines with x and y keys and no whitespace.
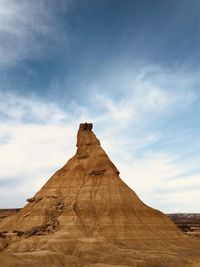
{"x":86,"y":216}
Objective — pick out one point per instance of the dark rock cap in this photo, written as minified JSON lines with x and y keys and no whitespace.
{"x":85,"y":126}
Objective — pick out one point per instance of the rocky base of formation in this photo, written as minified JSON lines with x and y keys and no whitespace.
{"x":58,"y":249}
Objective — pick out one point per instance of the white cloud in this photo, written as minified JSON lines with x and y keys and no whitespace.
{"x":18,"y":108}
{"x":149,"y":92}
{"x":162,"y":183}
{"x":36,"y":139}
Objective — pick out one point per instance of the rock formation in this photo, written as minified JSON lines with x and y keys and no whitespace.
{"x":85,"y":215}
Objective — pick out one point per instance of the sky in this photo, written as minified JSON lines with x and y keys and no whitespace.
{"x":130,"y":67}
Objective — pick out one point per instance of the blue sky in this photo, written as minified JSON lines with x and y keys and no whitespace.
{"x":130,"y":67}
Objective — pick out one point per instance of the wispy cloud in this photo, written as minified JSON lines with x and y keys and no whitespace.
{"x":36,"y":139}
{"x":18,"y":108}
{"x":154,"y":177}
{"x":149,"y":91}
{"x":26,"y":27}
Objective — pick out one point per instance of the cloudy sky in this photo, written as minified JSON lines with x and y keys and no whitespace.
{"x":130,"y":67}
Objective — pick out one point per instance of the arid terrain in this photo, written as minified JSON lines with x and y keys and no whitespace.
{"x":86,"y":216}
{"x":187,"y":222}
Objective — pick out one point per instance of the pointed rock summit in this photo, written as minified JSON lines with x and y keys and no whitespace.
{"x":85,"y":215}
